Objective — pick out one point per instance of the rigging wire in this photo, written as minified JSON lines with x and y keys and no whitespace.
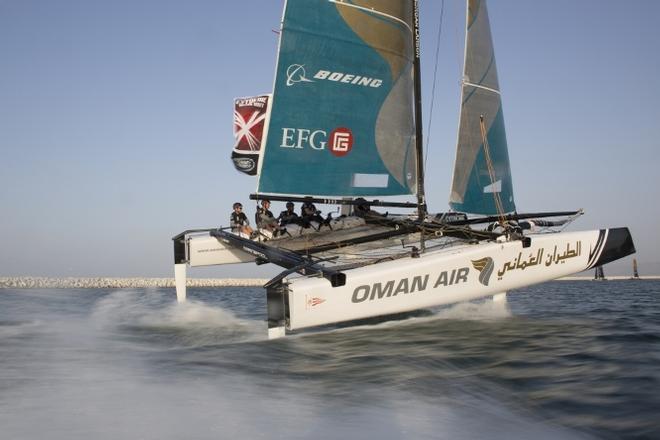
{"x":491,"y":172}
{"x":435,"y":76}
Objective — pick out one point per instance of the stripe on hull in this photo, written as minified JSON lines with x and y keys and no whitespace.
{"x":618,"y":243}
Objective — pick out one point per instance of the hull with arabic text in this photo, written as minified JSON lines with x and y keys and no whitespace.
{"x":444,"y":277}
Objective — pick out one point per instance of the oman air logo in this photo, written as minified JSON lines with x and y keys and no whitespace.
{"x":485,"y":266}
{"x":341,"y":141}
{"x":295,"y":73}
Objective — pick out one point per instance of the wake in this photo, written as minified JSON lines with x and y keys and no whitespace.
{"x":154,"y":316}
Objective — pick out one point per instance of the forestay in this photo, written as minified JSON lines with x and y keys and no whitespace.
{"x":474,"y":190}
{"x":342,"y":120}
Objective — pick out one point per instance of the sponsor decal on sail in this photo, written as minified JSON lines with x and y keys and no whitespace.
{"x":250,"y":116}
{"x":296,"y":73}
{"x":340,"y":140}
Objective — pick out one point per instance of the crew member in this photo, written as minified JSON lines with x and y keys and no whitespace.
{"x":264,"y":218}
{"x":289,"y":216}
{"x":363,"y":209}
{"x":239,"y":221}
{"x":309,"y":213}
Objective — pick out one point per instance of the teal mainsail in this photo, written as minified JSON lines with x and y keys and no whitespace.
{"x":479,"y":181}
{"x":342,"y":121}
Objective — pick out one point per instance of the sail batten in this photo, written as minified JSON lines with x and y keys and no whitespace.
{"x":477,"y":86}
{"x":342,"y":121}
{"x":482,"y":181}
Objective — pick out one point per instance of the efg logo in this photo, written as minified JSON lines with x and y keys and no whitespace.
{"x":339,"y":142}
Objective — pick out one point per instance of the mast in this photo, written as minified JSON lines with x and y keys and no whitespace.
{"x":419,"y":146}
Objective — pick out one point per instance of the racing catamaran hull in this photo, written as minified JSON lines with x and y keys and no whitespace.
{"x":442,"y":277}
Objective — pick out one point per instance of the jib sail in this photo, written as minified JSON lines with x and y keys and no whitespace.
{"x":342,"y":121}
{"x":250,"y":124}
{"x":476,"y":182}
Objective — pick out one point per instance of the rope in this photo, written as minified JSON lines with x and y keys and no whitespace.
{"x":491,"y":172}
{"x":435,"y":76}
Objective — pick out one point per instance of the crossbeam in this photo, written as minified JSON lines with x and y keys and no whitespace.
{"x":281,"y":257}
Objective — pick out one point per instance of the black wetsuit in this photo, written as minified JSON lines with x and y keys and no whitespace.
{"x":309,"y":213}
{"x":238,"y":219}
{"x":288,"y":217}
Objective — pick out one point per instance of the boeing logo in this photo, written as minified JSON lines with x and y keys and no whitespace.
{"x":296,"y":73}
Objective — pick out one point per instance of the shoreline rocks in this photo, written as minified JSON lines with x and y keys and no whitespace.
{"x":120,"y":283}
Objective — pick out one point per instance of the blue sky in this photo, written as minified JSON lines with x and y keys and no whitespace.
{"x":116,"y":121}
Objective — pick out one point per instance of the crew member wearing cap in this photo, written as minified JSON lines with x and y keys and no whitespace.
{"x":265,"y":219}
{"x":289,"y":216}
{"x":239,"y":221}
{"x":309,"y":213}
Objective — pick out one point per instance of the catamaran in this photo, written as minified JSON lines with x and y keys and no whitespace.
{"x":343,"y":126}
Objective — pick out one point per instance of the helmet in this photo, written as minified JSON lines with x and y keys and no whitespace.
{"x":289,"y":204}
{"x":237,"y":205}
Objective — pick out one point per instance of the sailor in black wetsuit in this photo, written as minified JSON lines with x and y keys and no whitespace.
{"x":309,"y":213}
{"x":289,"y":216}
{"x":363,"y":209}
{"x":239,"y":221}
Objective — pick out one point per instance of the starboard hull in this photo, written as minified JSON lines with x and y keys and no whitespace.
{"x":442,"y":277}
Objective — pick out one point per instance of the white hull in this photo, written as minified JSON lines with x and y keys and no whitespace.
{"x":208,"y":251}
{"x":201,"y":249}
{"x":435,"y":278}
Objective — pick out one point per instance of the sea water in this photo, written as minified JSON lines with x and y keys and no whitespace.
{"x":561,"y":360}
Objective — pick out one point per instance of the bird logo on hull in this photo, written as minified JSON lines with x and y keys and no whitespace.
{"x":485,"y":266}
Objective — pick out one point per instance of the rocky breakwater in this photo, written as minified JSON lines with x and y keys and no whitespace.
{"x":120,"y":283}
